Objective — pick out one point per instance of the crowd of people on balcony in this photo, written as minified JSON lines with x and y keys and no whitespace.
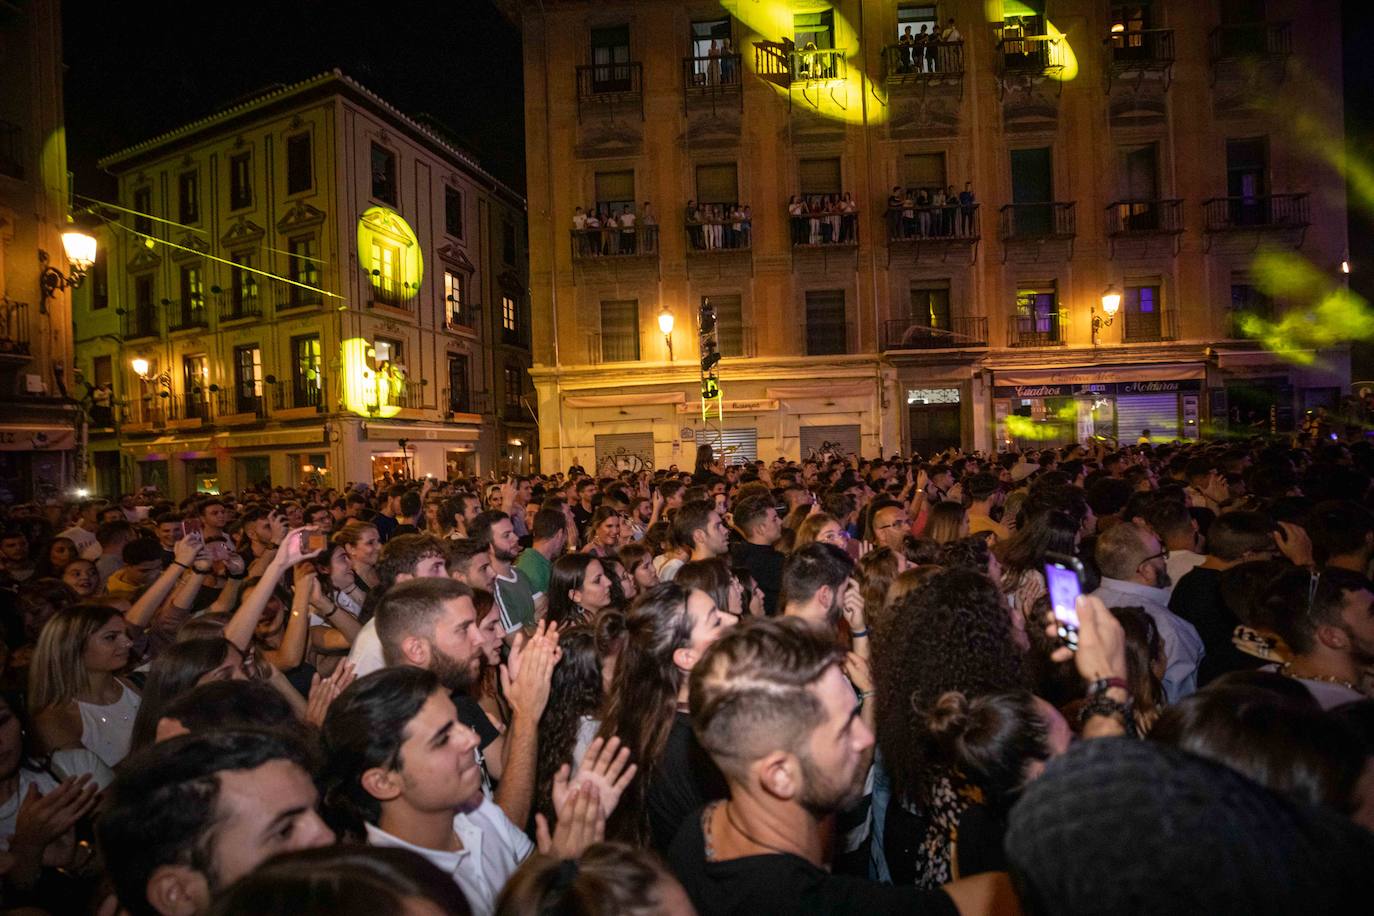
{"x":838,"y":685}
{"x":918,"y":213}
{"x":719,"y":227}
{"x":721,"y":66}
{"x":601,"y":231}
{"x":823,"y":219}
{"x":931,"y":50}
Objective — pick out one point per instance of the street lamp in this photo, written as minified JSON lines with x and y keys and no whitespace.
{"x":1111,"y":302}
{"x":80,"y":250}
{"x":140,"y":367}
{"x":665,"y":324}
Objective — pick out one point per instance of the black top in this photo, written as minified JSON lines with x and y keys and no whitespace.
{"x":1197,"y":599}
{"x":765,"y":565}
{"x":385,"y":525}
{"x":786,"y":884}
{"x":581,"y":517}
{"x":471,"y":714}
{"x":684,"y":780}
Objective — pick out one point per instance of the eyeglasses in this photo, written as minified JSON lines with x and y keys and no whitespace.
{"x":1162,"y":555}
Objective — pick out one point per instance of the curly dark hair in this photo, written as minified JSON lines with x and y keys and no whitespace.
{"x":574,"y":692}
{"x":953,"y":634}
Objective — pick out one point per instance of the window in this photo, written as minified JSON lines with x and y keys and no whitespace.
{"x":459,"y":390}
{"x":453,"y":299}
{"x":729,"y":324}
{"x":1142,"y":307}
{"x":143,"y":294}
{"x":704,"y":35}
{"x":826,"y":329}
{"x":247,"y":378}
{"x":305,"y":371}
{"x":383,"y":174}
{"x":243,"y":285}
{"x":510,"y":317}
{"x":302,"y":266}
{"x":508,"y":246}
{"x":610,"y":57}
{"x":188,"y":197}
{"x":102,"y":370}
{"x":143,"y":205}
{"x":192,"y":294}
{"x":615,"y":191}
{"x":100,"y":279}
{"x":914,"y":17}
{"x":923,"y":170}
{"x":817,"y":28}
{"x":718,"y":184}
{"x":514,"y":387}
{"x":620,"y":330}
{"x":930,"y":304}
{"x":1247,"y":300}
{"x":820,"y":176}
{"x":195,"y":384}
{"x":1032,"y":182}
{"x":388,"y":351}
{"x":300,"y":169}
{"x":1037,"y":314}
{"x":453,"y":212}
{"x":240,"y":181}
{"x":1247,"y":181}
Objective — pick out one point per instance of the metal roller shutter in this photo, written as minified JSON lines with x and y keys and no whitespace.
{"x":628,"y":451}
{"x":833,"y":440}
{"x":1156,"y":412}
{"x":735,"y":446}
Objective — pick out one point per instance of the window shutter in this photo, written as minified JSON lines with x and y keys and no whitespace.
{"x":735,"y":446}
{"x":615,"y":187}
{"x":820,"y":176}
{"x":718,"y":184}
{"x":923,"y":170}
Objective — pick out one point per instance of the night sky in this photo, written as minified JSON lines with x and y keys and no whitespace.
{"x":137,"y":69}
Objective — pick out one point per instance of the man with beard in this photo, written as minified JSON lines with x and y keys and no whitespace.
{"x":1327,"y":622}
{"x":432,"y":624}
{"x":189,"y":816}
{"x":405,"y":557}
{"x":513,"y":590}
{"x":769,"y":702}
{"x":1134,"y":574}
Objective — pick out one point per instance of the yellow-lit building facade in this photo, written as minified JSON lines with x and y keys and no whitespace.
{"x":308,"y":287}
{"x":40,"y":424}
{"x":1139,"y":173}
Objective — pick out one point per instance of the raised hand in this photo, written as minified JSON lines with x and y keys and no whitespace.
{"x":293,"y":548}
{"x":185,"y":550}
{"x":324,"y":691}
{"x":606,"y":765}
{"x":854,"y":606}
{"x":43,"y":819}
{"x":580,"y":824}
{"x":1101,"y":642}
{"x":526,"y":677}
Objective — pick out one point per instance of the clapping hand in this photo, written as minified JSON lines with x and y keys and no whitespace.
{"x":580,"y":824}
{"x":324,"y":691}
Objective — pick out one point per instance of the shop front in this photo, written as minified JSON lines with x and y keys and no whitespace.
{"x":1118,"y":407}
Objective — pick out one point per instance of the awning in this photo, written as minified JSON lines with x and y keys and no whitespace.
{"x":624,"y":400}
{"x":1091,"y":375}
{"x":385,"y":432}
{"x":822,"y":392}
{"x":36,"y":438}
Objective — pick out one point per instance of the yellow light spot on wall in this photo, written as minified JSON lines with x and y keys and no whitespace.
{"x":360,"y":381}
{"x":389,"y":252}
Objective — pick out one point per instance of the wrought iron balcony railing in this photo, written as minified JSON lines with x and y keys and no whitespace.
{"x":916,"y":334}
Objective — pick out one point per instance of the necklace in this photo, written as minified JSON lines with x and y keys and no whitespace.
{"x":750,"y":837}
{"x":1286,"y":670}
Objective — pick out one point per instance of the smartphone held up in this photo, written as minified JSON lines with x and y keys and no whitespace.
{"x":1064,"y":582}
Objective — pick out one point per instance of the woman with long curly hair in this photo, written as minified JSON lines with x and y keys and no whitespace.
{"x":953,"y":634}
{"x":573,"y":713}
{"x":578,"y":588}
{"x":667,"y":630}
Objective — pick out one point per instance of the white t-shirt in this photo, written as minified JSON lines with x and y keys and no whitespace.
{"x":366,"y":653}
{"x":493,"y":849}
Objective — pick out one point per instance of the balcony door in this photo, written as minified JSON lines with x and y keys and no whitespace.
{"x":1140,"y":187}
{"x":1032,"y":183}
{"x":1247,"y":181}
{"x":610,"y":57}
{"x":195,"y":384}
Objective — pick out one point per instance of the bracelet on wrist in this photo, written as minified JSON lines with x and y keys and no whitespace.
{"x":859,"y":634}
{"x":1101,"y":705}
{"x":179,"y":563}
{"x":1103,"y":684}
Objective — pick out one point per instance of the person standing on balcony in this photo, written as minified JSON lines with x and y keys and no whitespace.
{"x":951,"y":200}
{"x":848,"y":218}
{"x":728,"y":76}
{"x":692,"y":219}
{"x":906,"y":46}
{"x":923,"y":211}
{"x":919,"y":50}
{"x":949,"y":40}
{"x":580,"y":227}
{"x":627,"y":230}
{"x":937,"y":212}
{"x":796,"y":211}
{"x":966,"y":202}
{"x":593,"y":233}
{"x":713,"y":65}
{"x":893,"y":213}
{"x":610,"y":237}
{"x":746,"y":227}
{"x":650,"y":229}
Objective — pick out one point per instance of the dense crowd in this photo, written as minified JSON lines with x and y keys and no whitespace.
{"x":827,"y":686}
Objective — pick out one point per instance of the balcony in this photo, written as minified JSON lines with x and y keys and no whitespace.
{"x":1138,"y":53}
{"x":712,"y":80}
{"x":1142,"y":220}
{"x":1254,"y":41}
{"x":240,"y":307}
{"x":11,"y":151}
{"x":1028,"y":58}
{"x":466,"y":403}
{"x":391,"y":292}
{"x":187,"y":411}
{"x":913,"y":334}
{"x":1149,"y":327}
{"x":616,"y":88}
{"x":822,"y":225}
{"x":917,"y":64}
{"x":719,"y":236}
{"x":146,"y":414}
{"x":233,"y":407}
{"x":933,"y":228}
{"x":1039,"y":222}
{"x":185,"y":316}
{"x":614,"y":243}
{"x":302,"y":396}
{"x":299,"y":298}
{"x":1266,"y":212}
{"x":141,"y":321}
{"x":462,"y":315}
{"x":14,"y":328}
{"x":1043,"y":329}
